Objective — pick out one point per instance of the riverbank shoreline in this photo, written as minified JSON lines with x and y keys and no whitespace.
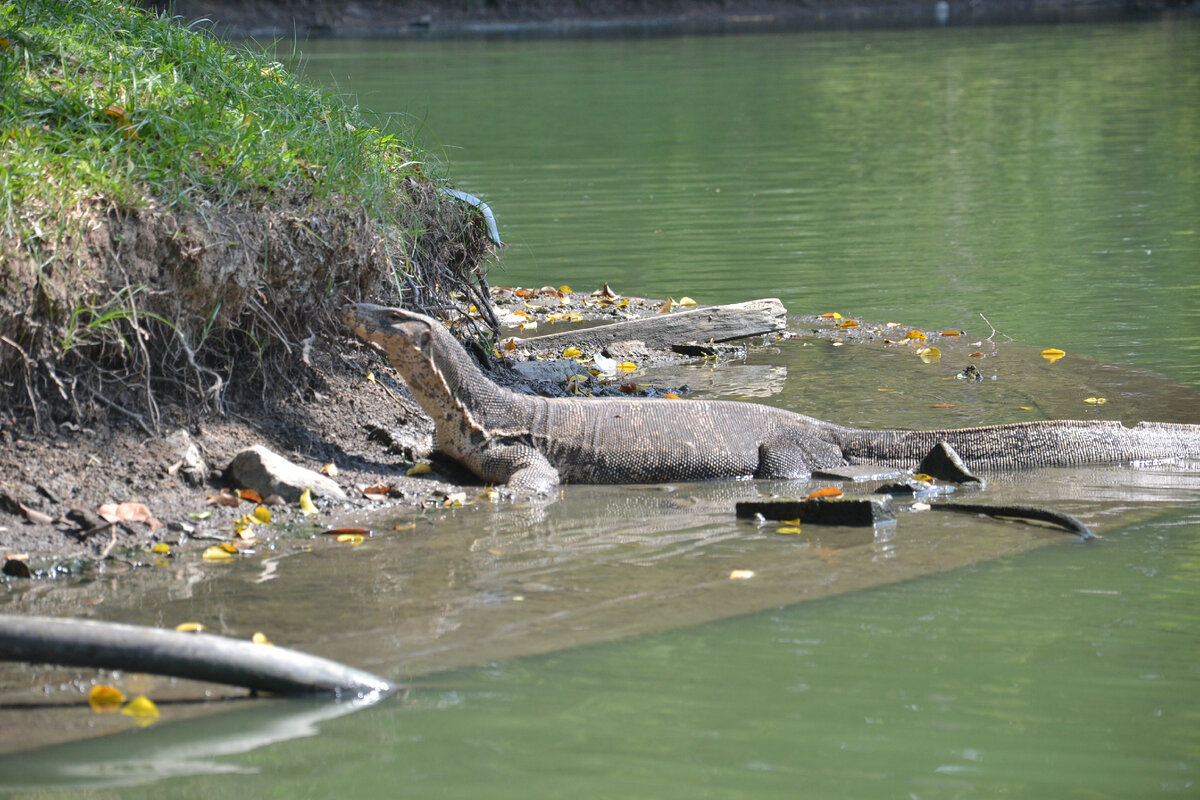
{"x":420,"y":19}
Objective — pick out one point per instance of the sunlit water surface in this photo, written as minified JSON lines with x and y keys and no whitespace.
{"x":1046,"y":178}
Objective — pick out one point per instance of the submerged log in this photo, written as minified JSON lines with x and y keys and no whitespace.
{"x":661,"y":332}
{"x":195,"y":656}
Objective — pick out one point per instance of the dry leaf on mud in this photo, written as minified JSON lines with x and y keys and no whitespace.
{"x":223,"y":498}
{"x":128,"y":512}
{"x":249,"y":495}
{"x":306,"y":503}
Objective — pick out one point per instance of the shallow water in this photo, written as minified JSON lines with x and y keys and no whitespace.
{"x":1045,"y":177}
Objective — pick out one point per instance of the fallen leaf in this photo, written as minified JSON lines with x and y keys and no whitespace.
{"x":944,"y":405}
{"x":916,"y":336}
{"x":831,"y":315}
{"x":351,"y":538}
{"x":825,"y":491}
{"x":687,"y":301}
{"x":1053,"y":354}
{"x":669,"y":396}
{"x":105,"y":699}
{"x":952,"y":333}
{"x":162,"y":548}
{"x":261,"y":638}
{"x":143,"y":711}
{"x":330,"y":469}
{"x":306,"y":503}
{"x":419,"y":469}
{"x":848,"y":323}
{"x":930,"y":355}
{"x":627,"y":366}
{"x":788,"y":529}
{"x":249,"y":495}
{"x":224,"y":498}
{"x":571,"y":352}
{"x":357,"y":531}
{"x":1096,"y":401}
{"x":217,"y":553}
{"x":128,"y":512}
{"x":741,"y":574}
{"x":666,"y":307}
{"x":199,"y":516}
{"x":262,"y":515}
{"x":976,"y":354}
{"x":379,"y":490}
{"x":565,"y":289}
{"x":923,"y":478}
{"x":1026,"y":408}
{"x":190,"y":627}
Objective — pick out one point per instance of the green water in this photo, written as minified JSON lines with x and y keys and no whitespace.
{"x":1046,"y":177}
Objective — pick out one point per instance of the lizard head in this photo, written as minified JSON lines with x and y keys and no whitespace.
{"x":403,"y":335}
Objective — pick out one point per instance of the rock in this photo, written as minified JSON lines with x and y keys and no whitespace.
{"x":858,"y":473}
{"x":627,"y":350}
{"x":268,"y":473}
{"x":555,"y":371}
{"x":187,"y":461}
{"x":943,"y":463}
{"x":823,"y":510}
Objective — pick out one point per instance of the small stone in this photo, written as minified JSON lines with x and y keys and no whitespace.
{"x":943,"y":463}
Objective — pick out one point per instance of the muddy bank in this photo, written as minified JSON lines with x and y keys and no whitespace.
{"x":462,"y":18}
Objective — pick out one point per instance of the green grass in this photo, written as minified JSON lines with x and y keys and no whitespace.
{"x":101,"y":100}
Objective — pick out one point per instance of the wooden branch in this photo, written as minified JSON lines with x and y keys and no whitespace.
{"x":196,"y":656}
{"x":660,"y":332}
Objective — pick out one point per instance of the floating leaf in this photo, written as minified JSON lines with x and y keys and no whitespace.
{"x":976,"y":354}
{"x":128,"y":512}
{"x":217,"y":553}
{"x":930,"y":355}
{"x":1026,"y":408}
{"x":419,"y":469}
{"x":190,"y":627}
{"x":306,"y":503}
{"x":945,"y":405}
{"x":261,"y":638}
{"x":1053,"y":354}
{"x":848,"y":323}
{"x":105,"y":699}
{"x":952,"y":333}
{"x":916,"y":336}
{"x":143,"y":711}
{"x":826,"y":491}
{"x":358,"y":531}
{"x":741,"y":574}
{"x":1096,"y":401}
{"x":350,"y":538}
{"x":788,"y":529}
{"x":571,"y":352}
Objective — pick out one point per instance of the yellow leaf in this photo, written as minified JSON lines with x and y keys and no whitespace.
{"x":916,"y":335}
{"x":831,"y":315}
{"x":216,"y":553}
{"x":143,"y":711}
{"x":1053,"y":354}
{"x":930,"y":355}
{"x":351,"y":538}
{"x":671,"y":396}
{"x":306,"y":503}
{"x":262,"y":515}
{"x":1027,"y":408}
{"x":825,"y":491}
{"x":419,"y":469}
{"x":329,"y":469}
{"x":790,"y":521}
{"x":848,"y":323}
{"x":190,"y":627}
{"x":790,"y":529}
{"x":921,"y":476}
{"x":105,"y":699}
{"x":627,"y":366}
{"x":741,"y":574}
{"x":261,"y":638}
{"x":565,"y":289}
{"x":571,"y":352}
{"x":162,"y":548}
{"x":1096,"y":401}
{"x":371,"y":377}
{"x":687,"y":301}
{"x":666,"y":307}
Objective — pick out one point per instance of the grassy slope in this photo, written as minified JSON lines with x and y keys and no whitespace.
{"x":168,"y":200}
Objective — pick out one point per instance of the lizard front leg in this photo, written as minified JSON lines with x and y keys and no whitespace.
{"x":520,"y":466}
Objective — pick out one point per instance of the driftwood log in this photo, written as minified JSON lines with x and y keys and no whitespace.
{"x":196,"y":656}
{"x":661,"y":332}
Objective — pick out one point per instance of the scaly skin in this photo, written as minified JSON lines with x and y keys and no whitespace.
{"x":533,"y":443}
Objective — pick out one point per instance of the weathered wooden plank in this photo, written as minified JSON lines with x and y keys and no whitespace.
{"x":712,"y":323}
